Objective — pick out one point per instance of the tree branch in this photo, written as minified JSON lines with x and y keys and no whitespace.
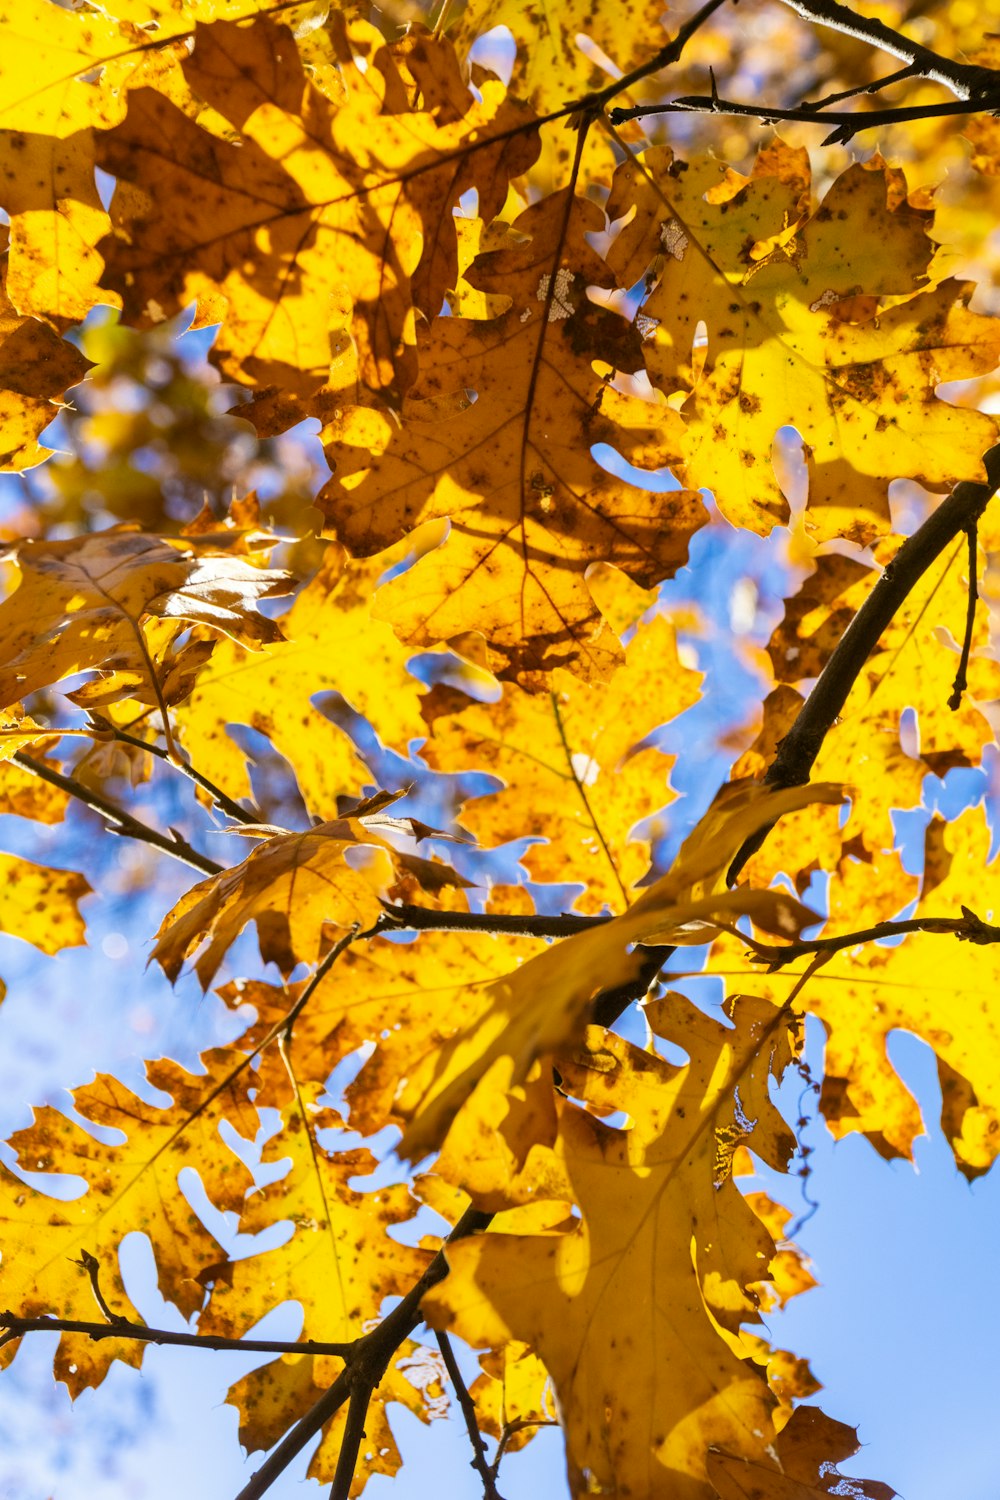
{"x":968,"y":928}
{"x":119,"y":821}
{"x":404,"y":918}
{"x":15,"y":1327}
{"x":848,"y":123}
{"x":465,"y":1401}
{"x":798,"y":750}
{"x":965,"y":80}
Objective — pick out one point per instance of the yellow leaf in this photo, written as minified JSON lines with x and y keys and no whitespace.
{"x":331,"y":644}
{"x":512,"y":1395}
{"x":618,"y":1305}
{"x":36,"y":367}
{"x":323,"y":217}
{"x":496,"y":435}
{"x":272,"y":1398}
{"x":290,"y":886}
{"x":82,"y":603}
{"x":47,"y":187}
{"x":787,"y":346}
{"x":930,"y":985}
{"x":912,"y":667}
{"x":544,"y":1004}
{"x":573,"y":775}
{"x":51,"y":55}
{"x":130,"y":1187}
{"x":801,"y":1465}
{"x":40,"y":905}
{"x":551,"y":66}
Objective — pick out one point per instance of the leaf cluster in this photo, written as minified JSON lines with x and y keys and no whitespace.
{"x":553,"y":357}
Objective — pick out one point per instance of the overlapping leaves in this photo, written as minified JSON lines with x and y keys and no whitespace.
{"x":84,"y":604}
{"x":297,"y":887}
{"x":831,"y":322}
{"x":497,"y":436}
{"x":317,"y":218}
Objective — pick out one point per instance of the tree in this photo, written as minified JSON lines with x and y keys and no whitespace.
{"x":539,"y":324}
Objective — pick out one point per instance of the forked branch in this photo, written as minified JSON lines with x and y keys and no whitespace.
{"x":798,"y":750}
{"x":968,"y":928}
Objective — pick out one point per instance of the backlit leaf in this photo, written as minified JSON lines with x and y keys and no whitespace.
{"x":82,"y":604}
{"x":496,"y":435}
{"x":321,"y":217}
{"x":290,"y":886}
{"x":789,"y":344}
{"x":131,"y":1186}
{"x":40,"y":905}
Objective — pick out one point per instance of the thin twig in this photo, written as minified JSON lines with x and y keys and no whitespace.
{"x":968,"y":928}
{"x":962,"y":675}
{"x":92,"y":1266}
{"x":848,"y":123}
{"x":479,"y":1460}
{"x":223,"y":801}
{"x":119,"y":821}
{"x":859,"y":89}
{"x":354,"y":1431}
{"x":15,"y":1327}
{"x":512,"y":1429}
{"x":405,"y":918}
{"x":798,"y":750}
{"x":965,"y":80}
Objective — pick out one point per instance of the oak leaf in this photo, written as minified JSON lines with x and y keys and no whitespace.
{"x":544,"y":1004}
{"x":800,"y":1466}
{"x":82,"y":604}
{"x":594,"y":1301}
{"x":862,"y":995}
{"x":513,"y":1395}
{"x":551,"y":66}
{"x":40,"y":904}
{"x":291,"y":885}
{"x":56,"y":219}
{"x":37,"y":368}
{"x":912,"y":669}
{"x":131,"y":1186}
{"x":497,"y":435}
{"x":339,"y":1264}
{"x":789,"y":341}
{"x":323,"y":217}
{"x":576,"y":778}
{"x":330,"y":644}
